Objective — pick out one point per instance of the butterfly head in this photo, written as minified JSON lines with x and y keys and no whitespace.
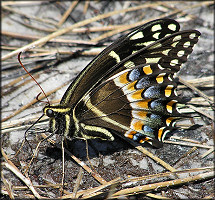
{"x":59,"y":119}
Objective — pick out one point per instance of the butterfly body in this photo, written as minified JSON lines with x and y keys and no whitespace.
{"x":129,"y":88}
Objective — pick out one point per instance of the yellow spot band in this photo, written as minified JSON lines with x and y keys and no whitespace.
{"x":147,"y":70}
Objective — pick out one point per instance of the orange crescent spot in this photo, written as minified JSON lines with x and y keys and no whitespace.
{"x":131,"y":85}
{"x":144,"y":104}
{"x":144,"y":140}
{"x":138,"y":125}
{"x":137,"y":95}
{"x":142,"y":114}
{"x":169,"y":108}
{"x":141,"y":141}
{"x":130,"y":136}
{"x":123,"y":78}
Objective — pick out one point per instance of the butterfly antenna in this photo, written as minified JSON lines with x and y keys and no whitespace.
{"x":33,"y":79}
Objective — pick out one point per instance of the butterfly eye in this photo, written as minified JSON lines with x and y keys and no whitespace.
{"x":50,"y":113}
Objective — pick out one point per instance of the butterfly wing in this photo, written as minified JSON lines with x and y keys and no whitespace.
{"x":119,"y":50}
{"x":104,"y":98}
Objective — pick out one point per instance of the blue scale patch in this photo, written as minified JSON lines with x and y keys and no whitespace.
{"x":138,"y":136}
{"x":156,"y":104}
{"x":152,"y":92}
{"x":154,"y":116}
{"x":147,"y":129}
{"x":143,"y":83}
{"x":134,"y":75}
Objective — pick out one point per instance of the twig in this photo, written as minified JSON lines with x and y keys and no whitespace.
{"x":204,"y":81}
{"x":23,"y":178}
{"x":166,"y":174}
{"x":155,"y":158}
{"x":93,"y":191}
{"x":155,"y":196}
{"x":78,"y":181}
{"x":207,"y":152}
{"x":28,"y":16}
{"x":67,"y":13}
{"x":147,"y":153}
{"x":86,"y":5}
{"x":58,"y":40}
{"x":20,"y":3}
{"x":7,"y":186}
{"x":196,"y":90}
{"x":188,"y":144}
{"x":201,"y":112}
{"x":156,"y":186}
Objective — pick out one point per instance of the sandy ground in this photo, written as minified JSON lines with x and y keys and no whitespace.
{"x":109,"y":159}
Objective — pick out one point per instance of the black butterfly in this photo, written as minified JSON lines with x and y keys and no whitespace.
{"x":128,"y":88}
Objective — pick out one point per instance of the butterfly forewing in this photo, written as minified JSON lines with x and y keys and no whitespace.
{"x":129,"y":88}
{"x":119,"y":50}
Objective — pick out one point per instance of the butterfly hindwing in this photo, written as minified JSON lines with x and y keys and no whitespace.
{"x":134,"y":103}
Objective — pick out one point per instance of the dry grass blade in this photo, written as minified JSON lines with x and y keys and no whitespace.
{"x":23,"y":178}
{"x":188,"y":144}
{"x":7,"y":185}
{"x":199,"y":101}
{"x":154,"y":196}
{"x":21,"y":3}
{"x":17,"y":80}
{"x":155,"y":158}
{"x":209,"y":197}
{"x":196,"y":90}
{"x":33,"y":102}
{"x":92,"y":192}
{"x":86,"y":5}
{"x":59,"y":40}
{"x":202,"y":112}
{"x":78,"y":181}
{"x":27,"y":16}
{"x":156,"y":186}
{"x":204,"y":81}
{"x":45,"y":39}
{"x":67,"y":13}
{"x":167,"y":174}
{"x":149,"y":154}
{"x":207,"y":152}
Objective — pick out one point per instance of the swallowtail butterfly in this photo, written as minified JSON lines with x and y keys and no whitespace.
{"x":128,"y":88}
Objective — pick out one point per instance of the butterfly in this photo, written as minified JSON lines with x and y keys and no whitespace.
{"x":129,"y":88}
